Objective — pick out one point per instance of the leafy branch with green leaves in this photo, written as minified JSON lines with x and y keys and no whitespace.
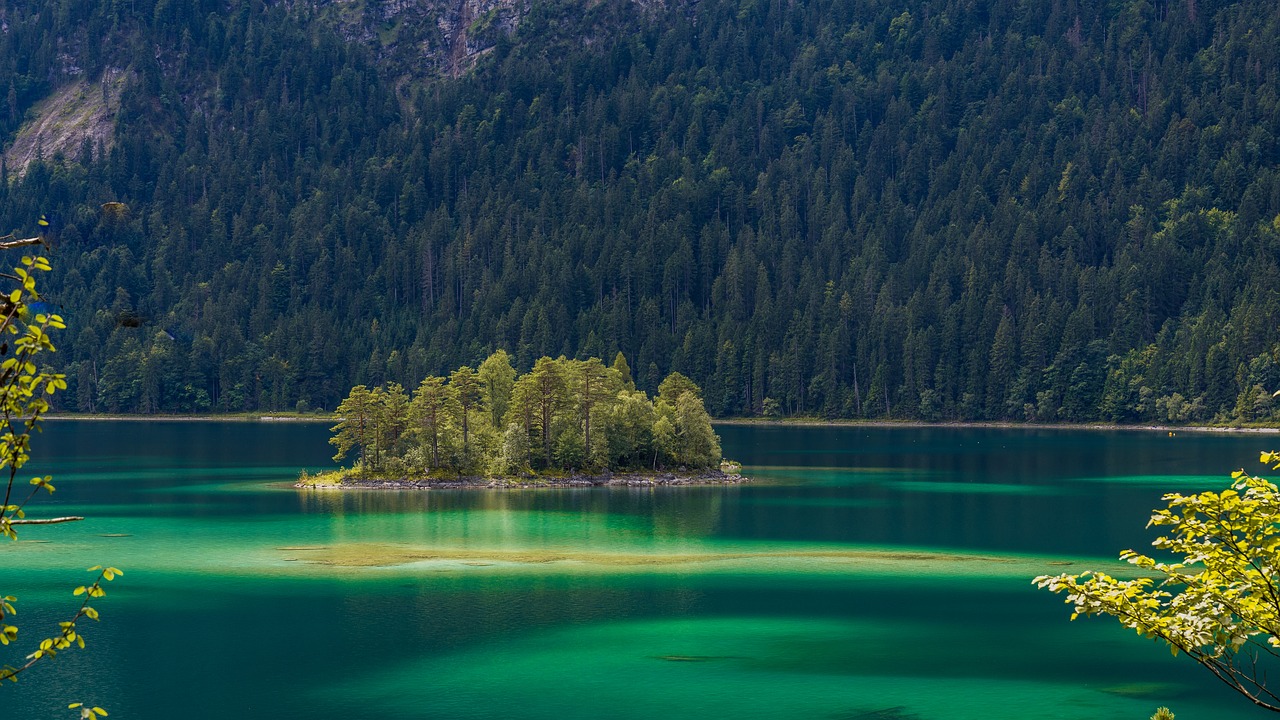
{"x":1219,"y":603}
{"x":25,"y":391}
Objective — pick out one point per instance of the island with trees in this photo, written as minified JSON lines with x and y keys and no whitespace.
{"x":564,"y":423}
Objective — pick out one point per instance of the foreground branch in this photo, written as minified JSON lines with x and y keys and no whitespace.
{"x":1219,"y":603}
{"x":24,"y":242}
{"x":68,"y":634}
{"x":46,"y":521}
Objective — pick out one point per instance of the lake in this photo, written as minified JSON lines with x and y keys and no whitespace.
{"x":873,"y":573}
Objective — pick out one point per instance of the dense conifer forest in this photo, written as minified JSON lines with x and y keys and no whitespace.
{"x":942,"y":209}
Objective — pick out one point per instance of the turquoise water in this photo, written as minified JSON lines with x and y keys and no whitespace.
{"x":868,"y":573}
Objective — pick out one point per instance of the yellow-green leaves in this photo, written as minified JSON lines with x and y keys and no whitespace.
{"x":25,"y":390}
{"x":68,"y":635}
{"x":86,"y":712}
{"x":95,"y":590}
{"x":8,"y":633}
{"x":38,"y":262}
{"x":55,"y":383}
{"x":1271,"y":458}
{"x":1219,"y":603}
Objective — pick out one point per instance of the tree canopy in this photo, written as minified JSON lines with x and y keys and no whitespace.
{"x":561,"y":415}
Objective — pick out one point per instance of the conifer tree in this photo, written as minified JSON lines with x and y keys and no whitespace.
{"x":542,"y":396}
{"x":497,"y":376}
{"x":466,"y":393}
{"x":428,"y":412}
{"x":355,"y":424}
{"x":624,"y":371}
{"x":596,"y":387}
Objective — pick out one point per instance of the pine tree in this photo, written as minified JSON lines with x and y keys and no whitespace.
{"x":497,"y":377}
{"x":428,"y":412}
{"x":466,"y":395}
{"x":355,"y":424}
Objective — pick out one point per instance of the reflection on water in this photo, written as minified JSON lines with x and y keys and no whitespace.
{"x":869,"y":573}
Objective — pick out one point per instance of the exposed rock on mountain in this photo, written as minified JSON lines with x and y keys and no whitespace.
{"x":76,"y":121}
{"x":427,"y":37}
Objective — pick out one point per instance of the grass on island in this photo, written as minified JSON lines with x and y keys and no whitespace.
{"x":331,"y":478}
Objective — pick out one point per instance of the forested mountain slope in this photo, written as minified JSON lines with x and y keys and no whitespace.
{"x":933,"y":209}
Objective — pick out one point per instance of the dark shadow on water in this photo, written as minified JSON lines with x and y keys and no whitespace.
{"x":890,"y":713}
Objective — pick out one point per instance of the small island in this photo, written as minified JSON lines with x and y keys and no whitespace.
{"x":565,"y":423}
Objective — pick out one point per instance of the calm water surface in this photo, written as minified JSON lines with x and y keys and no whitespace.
{"x":868,"y":573}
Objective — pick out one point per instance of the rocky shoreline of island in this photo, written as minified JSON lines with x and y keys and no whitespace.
{"x":522,"y":482}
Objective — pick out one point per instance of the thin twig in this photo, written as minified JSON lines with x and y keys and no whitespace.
{"x":9,"y":673}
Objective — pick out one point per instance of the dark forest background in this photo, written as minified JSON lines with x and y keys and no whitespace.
{"x":937,"y":209}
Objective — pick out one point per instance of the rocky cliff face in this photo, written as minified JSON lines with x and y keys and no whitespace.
{"x":427,"y":37}
{"x":413,"y":40}
{"x":77,"y":119}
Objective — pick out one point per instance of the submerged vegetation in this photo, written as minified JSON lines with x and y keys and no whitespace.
{"x":563,"y":415}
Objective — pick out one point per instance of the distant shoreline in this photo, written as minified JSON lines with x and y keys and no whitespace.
{"x":998,"y":425}
{"x":740,"y":422}
{"x":623,"y":479}
{"x":193,"y":418}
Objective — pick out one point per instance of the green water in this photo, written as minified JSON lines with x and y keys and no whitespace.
{"x":868,"y":573}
